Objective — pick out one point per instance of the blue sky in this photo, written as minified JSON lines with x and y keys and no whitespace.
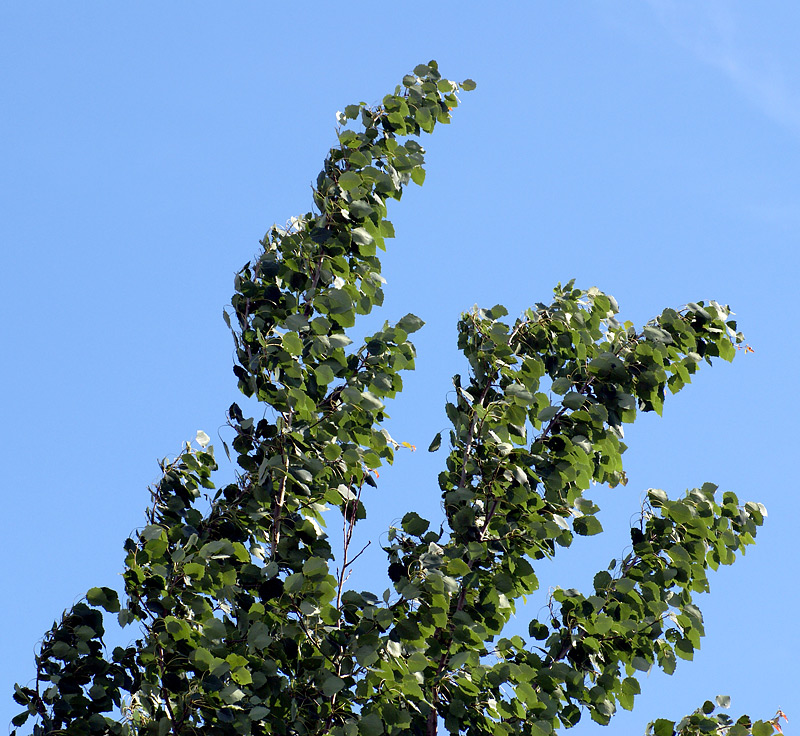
{"x":650,"y":149}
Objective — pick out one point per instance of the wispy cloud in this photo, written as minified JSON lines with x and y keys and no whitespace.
{"x":713,"y":33}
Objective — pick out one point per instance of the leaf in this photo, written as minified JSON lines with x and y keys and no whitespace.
{"x":242,"y":676}
{"x":294,"y":582}
{"x":323,"y":374}
{"x":587,"y":526}
{"x":414,"y":524}
{"x":152,"y":531}
{"x":341,"y":340}
{"x":573,"y":400}
{"x":315,"y":567}
{"x":657,"y":497}
{"x":684,"y":649}
{"x":561,"y":385}
{"x":723,"y":701}
{"x":332,"y":452}
{"x":203,"y":659}
{"x":663,"y":727}
{"x":194,"y":570}
{"x":332,"y":685}
{"x":410,"y":323}
{"x":458,"y":567}
{"x":436,"y":443}
{"x":548,"y":413}
{"x":657,"y":334}
{"x":202,"y":438}
{"x":538,"y":630}
{"x":258,"y":713}
{"x":370,"y":725}
{"x":468,"y":85}
{"x":518,"y":391}
{"x":370,"y":402}
{"x":349,"y":180}
{"x":104,"y":598}
{"x":762,"y":728}
{"x":296,"y":322}
{"x":292,"y":343}
{"x":258,"y":636}
{"x":362,"y":238}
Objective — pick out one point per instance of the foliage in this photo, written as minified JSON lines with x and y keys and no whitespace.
{"x":246,"y":623}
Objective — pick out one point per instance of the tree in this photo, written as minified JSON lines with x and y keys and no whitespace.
{"x":246,"y":624}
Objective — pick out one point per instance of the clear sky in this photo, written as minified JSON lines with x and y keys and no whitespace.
{"x":649,"y":148}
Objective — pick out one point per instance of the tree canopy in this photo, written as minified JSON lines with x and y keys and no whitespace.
{"x":246,"y":624}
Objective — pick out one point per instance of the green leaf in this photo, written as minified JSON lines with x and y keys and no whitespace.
{"x":458,"y":567}
{"x":663,"y":727}
{"x":194,"y":570}
{"x":587,"y":526}
{"x":370,"y":725}
{"x":371,"y":402}
{"x":410,"y":323}
{"x":684,"y":649}
{"x":726,"y":350}
{"x":561,"y":385}
{"x":723,"y":701}
{"x":657,"y":497}
{"x":349,"y":180}
{"x":259,"y":636}
{"x":258,"y":713}
{"x":104,"y":598}
{"x":548,"y":413}
{"x":153,"y":531}
{"x":242,"y":676}
{"x":631,"y":685}
{"x":315,"y":567}
{"x":366,"y":242}
{"x":332,"y":452}
{"x":292,"y":343}
{"x":436,"y":443}
{"x":651,"y":332}
{"x":468,"y":85}
{"x":762,"y":728}
{"x":538,"y":630}
{"x":294,"y":583}
{"x":296,"y":322}
{"x":573,"y":400}
{"x":414,"y":524}
{"x":518,"y":391}
{"x":332,"y":685}
{"x":323,"y":374}
{"x":203,"y":659}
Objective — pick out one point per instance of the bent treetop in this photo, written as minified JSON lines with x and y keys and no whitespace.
{"x":246,"y":625}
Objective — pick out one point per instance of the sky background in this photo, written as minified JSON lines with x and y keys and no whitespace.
{"x":649,"y":148}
